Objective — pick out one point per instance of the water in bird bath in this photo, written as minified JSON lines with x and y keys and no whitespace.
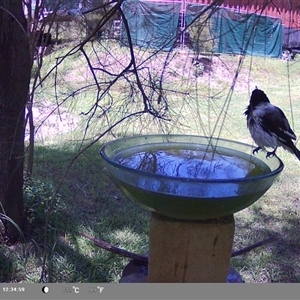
{"x":189,"y":162}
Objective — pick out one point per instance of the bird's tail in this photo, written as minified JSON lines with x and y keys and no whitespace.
{"x":296,"y":152}
{"x":291,"y":148}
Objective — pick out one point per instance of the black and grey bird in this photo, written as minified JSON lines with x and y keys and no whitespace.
{"x":268,"y":125}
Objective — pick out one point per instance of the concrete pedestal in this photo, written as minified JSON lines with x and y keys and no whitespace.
{"x":190,"y":251}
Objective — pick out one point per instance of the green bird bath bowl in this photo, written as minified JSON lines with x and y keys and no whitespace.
{"x":189,"y":177}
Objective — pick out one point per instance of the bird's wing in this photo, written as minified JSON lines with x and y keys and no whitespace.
{"x":274,"y":121}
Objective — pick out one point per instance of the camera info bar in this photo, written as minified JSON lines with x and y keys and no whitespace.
{"x":148,"y":291}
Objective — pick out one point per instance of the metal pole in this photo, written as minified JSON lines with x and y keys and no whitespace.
{"x":182,"y":25}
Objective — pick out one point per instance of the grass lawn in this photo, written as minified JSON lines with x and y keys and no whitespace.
{"x":62,"y":204}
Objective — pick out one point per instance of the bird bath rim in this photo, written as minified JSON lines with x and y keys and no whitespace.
{"x":212,"y":141}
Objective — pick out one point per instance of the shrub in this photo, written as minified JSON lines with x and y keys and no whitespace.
{"x":40,"y":202}
{"x":201,"y":37}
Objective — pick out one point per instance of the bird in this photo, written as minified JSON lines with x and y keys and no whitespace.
{"x":268,"y":125}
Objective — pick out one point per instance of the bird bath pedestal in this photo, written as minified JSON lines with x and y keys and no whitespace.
{"x":190,"y":251}
{"x":192,"y":186}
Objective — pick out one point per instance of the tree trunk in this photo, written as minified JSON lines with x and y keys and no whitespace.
{"x":15,"y":69}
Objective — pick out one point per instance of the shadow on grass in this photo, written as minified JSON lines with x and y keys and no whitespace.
{"x":91,"y":203}
{"x":6,"y":267}
{"x":67,"y":262}
{"x":278,"y":261}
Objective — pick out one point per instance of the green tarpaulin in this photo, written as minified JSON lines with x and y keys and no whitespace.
{"x":61,"y":4}
{"x":151,"y":25}
{"x":155,"y":25}
{"x":239,"y":33}
{"x":249,"y":34}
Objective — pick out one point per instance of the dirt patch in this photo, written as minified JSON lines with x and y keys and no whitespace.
{"x":50,"y":120}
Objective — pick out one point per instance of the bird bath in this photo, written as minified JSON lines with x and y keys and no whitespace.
{"x":192,"y":185}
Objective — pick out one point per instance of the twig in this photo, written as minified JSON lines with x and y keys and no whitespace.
{"x":144,"y":259}
{"x":251,"y":247}
{"x":113,"y":249}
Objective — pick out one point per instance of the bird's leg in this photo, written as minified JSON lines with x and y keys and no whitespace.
{"x":271,"y":153}
{"x":256,"y":150}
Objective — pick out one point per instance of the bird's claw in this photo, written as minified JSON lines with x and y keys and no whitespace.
{"x":271,"y":154}
{"x":256,"y":150}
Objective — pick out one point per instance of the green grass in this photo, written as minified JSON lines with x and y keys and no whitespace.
{"x":92,"y":204}
{"x":85,"y":199}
